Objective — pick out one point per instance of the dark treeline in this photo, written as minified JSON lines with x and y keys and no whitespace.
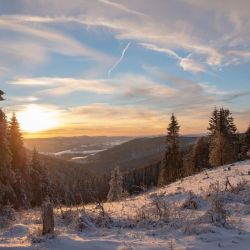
{"x":27,"y":178}
{"x":141,"y":179}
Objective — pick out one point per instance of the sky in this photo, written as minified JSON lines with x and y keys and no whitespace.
{"x":106,"y":67}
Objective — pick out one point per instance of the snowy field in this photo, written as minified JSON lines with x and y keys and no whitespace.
{"x":203,"y":211}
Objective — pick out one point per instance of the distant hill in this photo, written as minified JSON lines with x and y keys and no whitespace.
{"x":77,"y":143}
{"x":108,"y":152}
{"x":59,"y":168}
{"x":132,"y":154}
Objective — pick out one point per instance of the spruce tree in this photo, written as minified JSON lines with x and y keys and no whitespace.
{"x":38,"y":180}
{"x":221,"y":150}
{"x":18,"y":164}
{"x":171,"y":166}
{"x":16,"y":146}
{"x":222,"y":120}
{"x":213,"y":122}
{"x":247,"y":138}
{"x":224,"y":142}
{"x":226,"y":123}
{"x":7,"y":179}
{"x":116,"y":185}
{"x":200,"y":155}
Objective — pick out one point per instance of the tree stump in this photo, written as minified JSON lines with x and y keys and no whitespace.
{"x":47,"y":218}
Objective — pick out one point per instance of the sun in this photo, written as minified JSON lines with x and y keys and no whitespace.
{"x":35,"y":118}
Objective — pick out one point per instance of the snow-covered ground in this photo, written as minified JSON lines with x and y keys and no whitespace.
{"x":193,"y":213}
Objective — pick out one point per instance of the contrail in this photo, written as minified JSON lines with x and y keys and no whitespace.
{"x":120,"y":59}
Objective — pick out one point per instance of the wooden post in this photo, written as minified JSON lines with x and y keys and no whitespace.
{"x":47,"y":217}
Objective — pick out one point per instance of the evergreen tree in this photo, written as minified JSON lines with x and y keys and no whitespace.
{"x":38,"y":180}
{"x":226,"y":123}
{"x":247,"y":138}
{"x":7,"y":193}
{"x":116,"y":185}
{"x":221,"y":150}
{"x":16,"y":146}
{"x":200,"y":155}
{"x":222,"y":120}
{"x":213,"y":122}
{"x":18,"y":164}
{"x":224,"y":142}
{"x":171,"y":166}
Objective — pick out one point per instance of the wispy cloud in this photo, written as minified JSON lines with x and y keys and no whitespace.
{"x":163,"y":50}
{"x":55,"y":40}
{"x":176,"y":93}
{"x":121,"y":7}
{"x":119,"y":60}
{"x":64,"y":86}
{"x":217,"y":47}
{"x":34,"y":44}
{"x":136,"y":86}
{"x":188,"y":64}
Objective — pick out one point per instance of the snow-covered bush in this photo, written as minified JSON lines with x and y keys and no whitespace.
{"x":115,"y":191}
{"x":216,"y":214}
{"x":69,"y":216}
{"x":84,"y":222}
{"x":196,"y":228}
{"x":7,"y":215}
{"x":192,"y":202}
{"x":241,"y":186}
{"x":161,"y":208}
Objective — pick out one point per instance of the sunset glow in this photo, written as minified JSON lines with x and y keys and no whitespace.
{"x":35,"y":119}
{"x":122,"y":67}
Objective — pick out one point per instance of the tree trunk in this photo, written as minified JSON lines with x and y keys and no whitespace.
{"x":47,"y":218}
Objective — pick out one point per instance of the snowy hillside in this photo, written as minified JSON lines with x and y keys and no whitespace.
{"x":210,"y":210}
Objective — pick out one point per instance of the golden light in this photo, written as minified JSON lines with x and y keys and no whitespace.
{"x":36,"y":118}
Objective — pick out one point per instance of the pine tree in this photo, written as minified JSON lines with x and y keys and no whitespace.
{"x":226,"y":123}
{"x":222,"y":120}
{"x":38,"y":180}
{"x":213,"y":122}
{"x":171,"y":165}
{"x":16,"y":146}
{"x":116,"y":185}
{"x":247,"y":138}
{"x":221,"y":150}
{"x":18,"y":164}
{"x":200,"y":155}
{"x":7,"y":193}
{"x":224,"y":142}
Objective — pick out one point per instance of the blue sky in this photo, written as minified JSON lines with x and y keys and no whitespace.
{"x":122,"y":67}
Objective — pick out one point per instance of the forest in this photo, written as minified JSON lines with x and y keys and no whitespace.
{"x":27,"y":178}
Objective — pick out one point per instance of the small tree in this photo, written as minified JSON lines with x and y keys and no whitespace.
{"x":171,"y":166}
{"x":116,"y":183}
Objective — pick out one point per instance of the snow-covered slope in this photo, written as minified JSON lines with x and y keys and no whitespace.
{"x":210,"y":210}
